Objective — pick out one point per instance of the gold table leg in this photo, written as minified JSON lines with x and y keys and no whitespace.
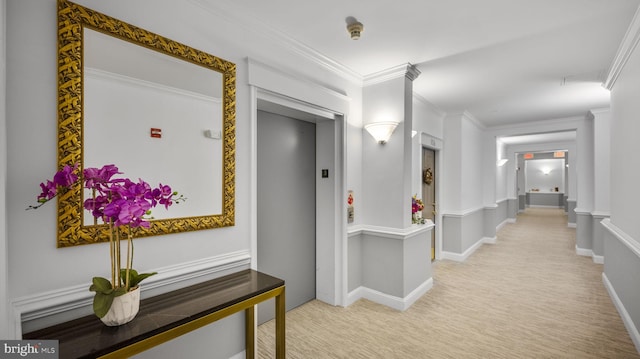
{"x":280,"y":328}
{"x":250,"y":332}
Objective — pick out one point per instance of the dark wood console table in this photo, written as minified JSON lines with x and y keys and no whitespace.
{"x":167,"y":316}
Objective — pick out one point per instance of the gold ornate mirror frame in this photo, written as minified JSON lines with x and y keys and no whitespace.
{"x":72,"y":19}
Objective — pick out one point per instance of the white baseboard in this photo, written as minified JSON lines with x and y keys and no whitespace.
{"x":42,"y":305}
{"x":584,"y":252}
{"x":572,"y":225}
{"x":504,"y":223}
{"x":589,"y":253}
{"x":461,"y":257}
{"x":626,"y":318}
{"x":489,"y":240}
{"x":240,"y":355}
{"x":391,"y":301}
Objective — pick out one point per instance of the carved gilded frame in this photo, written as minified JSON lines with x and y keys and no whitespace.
{"x":72,"y":18}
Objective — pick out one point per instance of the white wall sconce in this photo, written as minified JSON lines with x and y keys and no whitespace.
{"x":546,"y":171}
{"x":502,"y":162}
{"x":381,"y":131}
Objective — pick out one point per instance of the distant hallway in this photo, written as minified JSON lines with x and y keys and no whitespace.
{"x":527,"y":296}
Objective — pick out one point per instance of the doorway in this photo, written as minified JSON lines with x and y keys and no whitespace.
{"x":286,"y":207}
{"x":429,"y":192}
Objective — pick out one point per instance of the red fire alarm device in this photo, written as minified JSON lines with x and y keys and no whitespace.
{"x":156,"y":132}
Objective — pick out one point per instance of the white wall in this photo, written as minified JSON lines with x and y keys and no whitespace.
{"x":463,"y":168}
{"x":622,"y":242}
{"x":473,"y":163}
{"x":427,"y":119}
{"x":35,"y":264}
{"x":625,"y":176}
{"x":544,"y":175}
{"x":451,"y":169}
{"x":501,"y":171}
{"x":386,"y":199}
{"x":602,"y":163}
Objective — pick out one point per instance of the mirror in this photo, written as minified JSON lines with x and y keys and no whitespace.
{"x":157,"y":109}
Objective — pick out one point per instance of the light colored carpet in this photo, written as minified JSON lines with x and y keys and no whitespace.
{"x":527,"y":296}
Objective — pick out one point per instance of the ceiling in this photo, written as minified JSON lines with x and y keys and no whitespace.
{"x":503,"y":61}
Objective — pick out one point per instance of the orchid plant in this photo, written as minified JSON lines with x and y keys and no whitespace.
{"x":121,"y":204}
{"x":416,"y":206}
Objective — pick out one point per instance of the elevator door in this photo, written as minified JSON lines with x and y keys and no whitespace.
{"x":286,"y":207}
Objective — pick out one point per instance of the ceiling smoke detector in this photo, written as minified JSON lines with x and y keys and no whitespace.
{"x":355,"y":28}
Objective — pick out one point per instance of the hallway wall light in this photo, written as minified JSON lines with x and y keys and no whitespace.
{"x":381,"y":131}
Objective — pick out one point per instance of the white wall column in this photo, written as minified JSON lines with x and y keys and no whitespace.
{"x":585,"y":173}
{"x":393,"y":255}
{"x":601,"y":177}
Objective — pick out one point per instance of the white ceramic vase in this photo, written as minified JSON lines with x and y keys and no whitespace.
{"x":123,"y":309}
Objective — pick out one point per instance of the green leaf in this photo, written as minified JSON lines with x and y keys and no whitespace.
{"x":134,"y":277}
{"x":102,"y":303}
{"x":119,"y":291}
{"x":140,"y":277}
{"x":101,"y":285}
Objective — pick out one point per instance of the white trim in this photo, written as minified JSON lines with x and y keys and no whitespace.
{"x":627,"y":46}
{"x":623,"y":237}
{"x":589,"y":253}
{"x":462,"y":257}
{"x":581,"y":211}
{"x":40,"y":305}
{"x":504,"y":223}
{"x":391,"y":301}
{"x":462,"y":213}
{"x":469,"y":116}
{"x":542,"y":206}
{"x":584,"y":252}
{"x":242,"y":354}
{"x":388,"y":232}
{"x":600,"y":214}
{"x":489,"y":240}
{"x":405,"y":70}
{"x":260,"y":74}
{"x":626,"y":318}
{"x":332,"y":292}
{"x":572,"y":225}
{"x":597,"y":259}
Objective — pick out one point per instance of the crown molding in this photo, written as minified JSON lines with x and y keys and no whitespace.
{"x":405,"y":70}
{"x":433,"y":107}
{"x":628,"y":45}
{"x":473,"y":119}
{"x":260,"y":28}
